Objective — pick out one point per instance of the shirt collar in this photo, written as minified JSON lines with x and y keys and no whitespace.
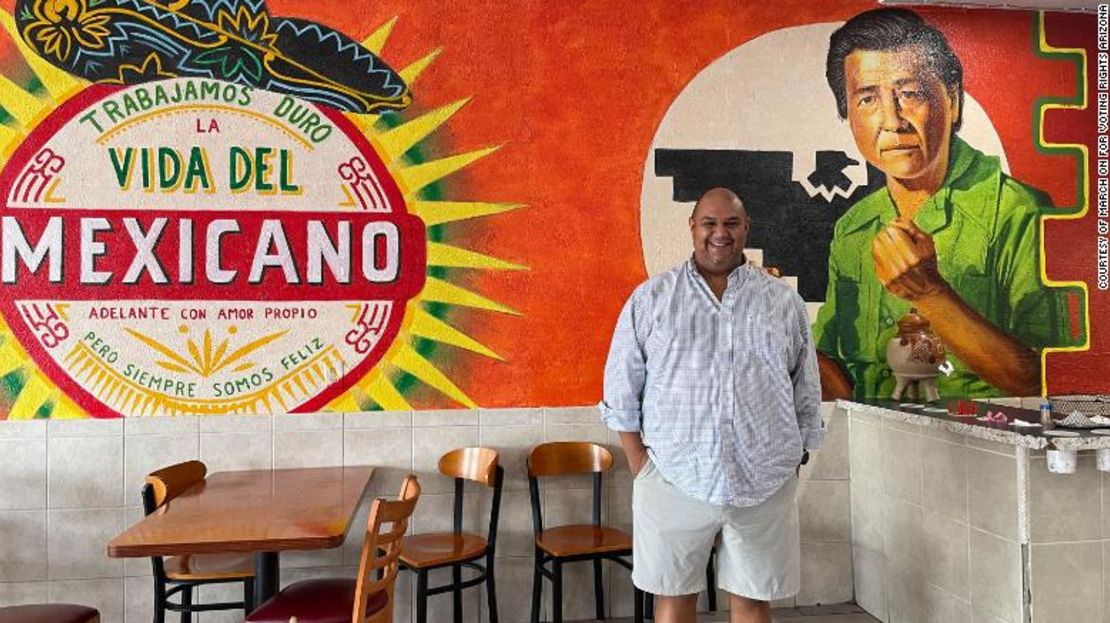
{"x":735,"y":279}
{"x":936,"y":213}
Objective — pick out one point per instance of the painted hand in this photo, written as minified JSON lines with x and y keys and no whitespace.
{"x":906,"y":261}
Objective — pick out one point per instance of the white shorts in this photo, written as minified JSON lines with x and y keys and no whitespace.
{"x":758,"y":557}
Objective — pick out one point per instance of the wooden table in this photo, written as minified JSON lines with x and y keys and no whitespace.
{"x":259,"y":511}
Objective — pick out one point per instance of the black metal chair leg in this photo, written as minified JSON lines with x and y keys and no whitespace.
{"x":638,"y":605}
{"x":557,"y":591}
{"x":711,"y":583}
{"x":599,"y":591}
{"x":491,"y":592}
{"x":537,"y":587}
{"x":248,"y":596}
{"x":186,"y":601}
{"x":422,"y":596}
{"x":159,"y":602}
{"x":456,"y":593}
{"x":649,"y":608}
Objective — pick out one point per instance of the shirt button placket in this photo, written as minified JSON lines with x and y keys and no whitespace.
{"x":725,"y":442}
{"x":726,"y":356}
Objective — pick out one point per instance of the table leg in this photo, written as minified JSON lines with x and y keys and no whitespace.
{"x":267,"y":576}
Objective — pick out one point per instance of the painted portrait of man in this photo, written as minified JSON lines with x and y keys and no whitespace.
{"x":950,"y":233}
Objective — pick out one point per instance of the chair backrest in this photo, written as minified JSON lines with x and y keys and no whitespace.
{"x":377,"y":568}
{"x":170,"y":482}
{"x":558,"y":458}
{"x":164,"y":485}
{"x":480,"y":465}
{"x":477,"y":464}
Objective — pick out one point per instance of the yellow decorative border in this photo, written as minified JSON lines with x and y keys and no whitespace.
{"x":1079,"y":56}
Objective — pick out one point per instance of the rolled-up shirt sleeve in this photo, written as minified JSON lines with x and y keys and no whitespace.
{"x":625,"y":370}
{"x":807,"y":385}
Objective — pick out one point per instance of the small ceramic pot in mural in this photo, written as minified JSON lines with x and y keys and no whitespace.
{"x":1062,"y":461}
{"x":915,"y":355}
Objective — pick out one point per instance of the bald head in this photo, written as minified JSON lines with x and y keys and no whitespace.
{"x":720,"y":195}
{"x":719,"y":229}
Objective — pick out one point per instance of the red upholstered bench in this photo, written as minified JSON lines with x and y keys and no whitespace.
{"x":49,"y":613}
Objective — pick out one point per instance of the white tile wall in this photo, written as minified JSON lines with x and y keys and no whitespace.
{"x":944,"y":478}
{"x":943,"y":607}
{"x":23,"y":548}
{"x":937,"y":502}
{"x":904,"y":534}
{"x":308,"y":448}
{"x":513,"y":443}
{"x":992,"y":493}
{"x":73,"y":485}
{"x":866,"y":455}
{"x":907,"y":594}
{"x":995,"y":576}
{"x":1068,"y":582}
{"x":901,"y":463}
{"x":947,"y":547}
{"x":106,"y":595}
{"x":870,"y":580}
{"x":77,"y":539}
{"x":514,"y":590}
{"x":144,"y":453}
{"x":508,"y":417}
{"x":432,"y":443}
{"x":24,"y":593}
{"x":824,"y":508}
{"x":24,"y":460}
{"x":1061,"y":506}
{"x":231,"y":451}
{"x":826,"y":573}
{"x":85,"y":472}
{"x":955,"y":552}
{"x":23,"y":429}
{"x":831,"y":462}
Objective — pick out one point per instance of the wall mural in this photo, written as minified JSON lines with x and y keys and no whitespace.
{"x":231,"y":206}
{"x":218,"y":223}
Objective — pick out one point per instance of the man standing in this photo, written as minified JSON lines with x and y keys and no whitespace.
{"x":712,"y":383}
{"x":950,"y":234}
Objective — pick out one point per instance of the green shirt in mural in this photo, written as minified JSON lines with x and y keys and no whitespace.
{"x":985,"y":226}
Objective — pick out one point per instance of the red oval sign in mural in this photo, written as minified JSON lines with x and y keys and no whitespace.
{"x":194,"y":246}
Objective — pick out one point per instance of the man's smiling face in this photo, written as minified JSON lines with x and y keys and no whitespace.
{"x":719,"y":228}
{"x":900,"y":112}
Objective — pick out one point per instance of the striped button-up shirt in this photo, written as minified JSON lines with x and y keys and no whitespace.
{"x":726,"y":393}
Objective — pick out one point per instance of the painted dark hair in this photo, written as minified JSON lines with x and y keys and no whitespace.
{"x":891,"y":29}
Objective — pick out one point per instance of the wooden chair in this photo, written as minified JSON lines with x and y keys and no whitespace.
{"x":361,"y":600}
{"x":570,"y":543}
{"x":181,"y":574}
{"x":457,"y":549}
{"x":49,"y":613}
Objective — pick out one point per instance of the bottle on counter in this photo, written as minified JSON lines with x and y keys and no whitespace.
{"x":1046,"y":414}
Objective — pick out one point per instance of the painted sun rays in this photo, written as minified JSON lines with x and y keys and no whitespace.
{"x":28,"y":94}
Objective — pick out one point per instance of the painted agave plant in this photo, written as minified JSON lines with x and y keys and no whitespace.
{"x":133,"y":41}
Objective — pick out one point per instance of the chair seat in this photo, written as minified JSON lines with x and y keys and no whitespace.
{"x":422,"y":551}
{"x":578,"y":539}
{"x":209,"y":567}
{"x":328,"y":600}
{"x":49,"y":613}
